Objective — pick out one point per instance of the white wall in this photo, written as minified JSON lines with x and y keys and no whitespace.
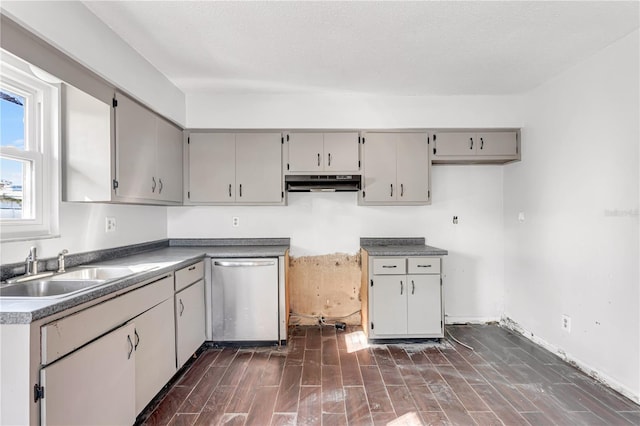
{"x":574,"y":254}
{"x":82,"y":228}
{"x":73,"y":29}
{"x":329,"y":223}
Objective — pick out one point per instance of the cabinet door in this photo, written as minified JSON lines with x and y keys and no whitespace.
{"x":212,"y":171}
{"x":424,"y":305}
{"x":379,"y":156}
{"x":169,"y":163}
{"x":155,"y":346}
{"x":94,"y":385}
{"x":190,"y":321}
{"x":413,"y":167}
{"x":341,"y":152}
{"x":135,"y":150}
{"x":455,"y":143}
{"x":306,"y":152}
{"x":389,"y":305}
{"x":258,"y":168}
{"x":497,"y":143}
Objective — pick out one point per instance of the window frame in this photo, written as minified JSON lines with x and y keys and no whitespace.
{"x":41,"y":149}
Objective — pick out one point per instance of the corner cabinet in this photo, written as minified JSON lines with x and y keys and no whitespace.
{"x":122,"y":153}
{"x":235,"y":168}
{"x":470,"y":147}
{"x":405,"y":297}
{"x":320,"y":153}
{"x":396,"y":169}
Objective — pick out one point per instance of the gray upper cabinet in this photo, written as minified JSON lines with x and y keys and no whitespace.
{"x":497,"y":147}
{"x":323,"y":153}
{"x":235,"y":168}
{"x":396,"y":169}
{"x":118,"y":153}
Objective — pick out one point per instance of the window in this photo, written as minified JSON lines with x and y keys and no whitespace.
{"x":28,"y":151}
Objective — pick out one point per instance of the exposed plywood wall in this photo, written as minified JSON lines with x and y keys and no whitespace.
{"x":327,"y":285}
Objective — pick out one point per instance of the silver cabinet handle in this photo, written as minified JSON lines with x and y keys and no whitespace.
{"x":130,"y":347}
{"x":153,"y":185}
{"x":318,"y":159}
{"x":481,"y":143}
{"x":424,"y":266}
{"x":389,"y":266}
{"x":413,"y":287}
{"x":401,"y":287}
{"x":242,"y":263}
{"x":240,"y":190}
{"x":161,"y":185}
{"x":392,"y":190}
{"x":192,"y":268}
{"x":137,"y":339}
{"x":229,"y":190}
{"x":181,"y":307}
{"x":402,"y":189}
{"x":471,"y":146}
{"x":329,"y":160}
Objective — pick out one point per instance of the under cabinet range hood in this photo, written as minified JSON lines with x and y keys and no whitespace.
{"x":323,"y":183}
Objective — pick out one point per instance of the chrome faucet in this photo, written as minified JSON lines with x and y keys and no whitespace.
{"x":31,"y":267}
{"x":61,"y":260}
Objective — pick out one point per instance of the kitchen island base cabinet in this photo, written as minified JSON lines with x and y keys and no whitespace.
{"x":94,"y":385}
{"x":190,"y":321}
{"x":405,"y":298}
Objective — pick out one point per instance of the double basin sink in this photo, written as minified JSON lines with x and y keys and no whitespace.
{"x":67,"y":283}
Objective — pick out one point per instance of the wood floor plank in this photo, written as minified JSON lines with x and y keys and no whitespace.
{"x":261,"y":410}
{"x":314,"y":338}
{"x":401,"y":400}
{"x":310,"y":407}
{"x":424,"y":398}
{"x":236,"y":369}
{"x":545,"y":403}
{"x":465,"y":369}
{"x":225,"y":357}
{"x":391,"y":375}
{"x":330,"y":351}
{"x":575,"y":397}
{"x":213,"y":410}
{"x":399,"y":355}
{"x":332,"y":390}
{"x":350,"y":370}
{"x":450,"y":404}
{"x":197,"y":399}
{"x":383,"y":357}
{"x":283,"y":419}
{"x":183,"y":419}
{"x":435,"y":418}
{"x":536,"y":418}
{"x":507,"y":390}
{"x":357,"y":408}
{"x":296,"y":346}
{"x":273,"y":370}
{"x":375,"y":389}
{"x":233,"y":419}
{"x":311,"y":374}
{"x":435,"y":356}
{"x":366,"y":357}
{"x":499,"y":405}
{"x":198,"y":368}
{"x":411,"y":375}
{"x":287,"y":401}
{"x":169,"y":405}
{"x":430,"y":374}
{"x":246,"y":389}
{"x":334,"y":419}
{"x":383,"y":419}
{"x":486,"y":418}
{"x":462,"y":389}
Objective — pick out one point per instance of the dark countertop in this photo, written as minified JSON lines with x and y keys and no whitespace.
{"x":400,"y":247}
{"x":153,"y":262}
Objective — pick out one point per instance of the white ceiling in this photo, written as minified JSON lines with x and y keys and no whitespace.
{"x":395,"y":48}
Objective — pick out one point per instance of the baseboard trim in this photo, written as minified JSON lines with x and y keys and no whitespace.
{"x":512,"y":325}
{"x":450,"y":320}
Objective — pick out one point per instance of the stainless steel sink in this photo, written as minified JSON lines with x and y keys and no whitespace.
{"x":103,"y":273}
{"x":48,"y":288}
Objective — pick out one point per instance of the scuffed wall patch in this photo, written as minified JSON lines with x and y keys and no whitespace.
{"x":327,"y":285}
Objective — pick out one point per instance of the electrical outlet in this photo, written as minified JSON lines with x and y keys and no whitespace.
{"x":235,"y":221}
{"x":566,"y":323}
{"x":110,"y":224}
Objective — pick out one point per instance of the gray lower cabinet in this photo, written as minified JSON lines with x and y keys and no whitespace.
{"x":396,"y":169}
{"x":499,"y":146}
{"x":189,"y":311}
{"x":234,"y":168}
{"x":405,"y":297}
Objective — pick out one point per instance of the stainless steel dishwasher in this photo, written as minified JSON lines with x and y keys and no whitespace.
{"x":245,"y":300}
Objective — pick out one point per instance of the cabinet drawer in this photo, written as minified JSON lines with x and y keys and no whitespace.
{"x":424,"y":265}
{"x":189,"y":275}
{"x":391,"y":266}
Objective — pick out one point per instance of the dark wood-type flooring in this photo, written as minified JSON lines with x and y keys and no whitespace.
{"x":318,"y":379}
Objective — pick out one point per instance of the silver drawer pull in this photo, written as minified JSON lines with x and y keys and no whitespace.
{"x":389,"y":266}
{"x":192,"y":268}
{"x":424,"y":266}
{"x":401,"y":287}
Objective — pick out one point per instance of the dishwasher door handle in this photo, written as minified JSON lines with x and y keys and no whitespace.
{"x":243,"y":263}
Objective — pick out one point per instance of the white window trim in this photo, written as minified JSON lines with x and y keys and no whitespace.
{"x":44,"y":153}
